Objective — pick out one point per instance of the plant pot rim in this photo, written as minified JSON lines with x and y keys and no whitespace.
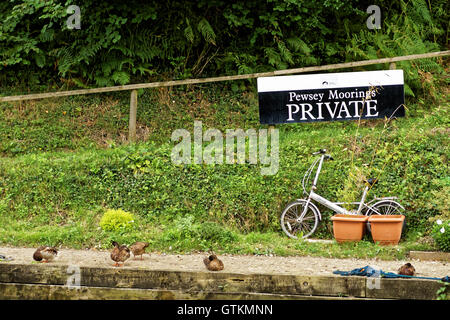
{"x":387,"y":218}
{"x":350,"y":217}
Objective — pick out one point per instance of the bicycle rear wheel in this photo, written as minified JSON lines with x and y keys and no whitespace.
{"x":385,"y":207}
{"x":290,"y":220}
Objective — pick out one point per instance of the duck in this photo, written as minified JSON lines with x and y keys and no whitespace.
{"x":213,"y":263}
{"x":138,"y":248}
{"x":120,"y":253}
{"x":407,"y":270}
{"x":45,"y":254}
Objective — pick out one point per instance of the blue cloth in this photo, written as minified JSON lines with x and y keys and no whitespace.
{"x":368,"y":271}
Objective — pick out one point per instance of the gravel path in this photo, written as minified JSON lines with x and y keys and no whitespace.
{"x":246,"y":264}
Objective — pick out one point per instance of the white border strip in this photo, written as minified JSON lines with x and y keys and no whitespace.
{"x":331,"y":80}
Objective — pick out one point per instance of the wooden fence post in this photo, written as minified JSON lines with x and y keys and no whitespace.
{"x":133,"y":111}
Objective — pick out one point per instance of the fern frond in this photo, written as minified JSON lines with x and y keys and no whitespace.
{"x":298,"y":45}
{"x":102,"y":81}
{"x":47,"y":35}
{"x":206,"y":31}
{"x":87,"y":52}
{"x":285,"y":53}
{"x":420,"y":11}
{"x":188,"y":32}
{"x":66,"y":60}
{"x":272,"y":56}
{"x":121,"y":77}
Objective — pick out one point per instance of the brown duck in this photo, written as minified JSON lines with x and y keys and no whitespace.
{"x":45,"y":254}
{"x":120,"y":253}
{"x":407,"y":270}
{"x":213,"y":263}
{"x":138,"y":248}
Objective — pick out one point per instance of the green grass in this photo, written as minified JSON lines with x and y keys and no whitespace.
{"x":85,"y":233}
{"x":64,"y":162}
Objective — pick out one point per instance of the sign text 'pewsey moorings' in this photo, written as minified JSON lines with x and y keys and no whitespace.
{"x":331,"y":96}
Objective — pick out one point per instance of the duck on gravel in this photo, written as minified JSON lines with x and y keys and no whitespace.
{"x":45,"y":254}
{"x":213,"y":263}
{"x":138,"y":248}
{"x":407,"y":270}
{"x":120,"y":253}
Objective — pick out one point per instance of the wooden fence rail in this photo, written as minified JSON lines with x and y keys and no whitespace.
{"x":134,"y":87}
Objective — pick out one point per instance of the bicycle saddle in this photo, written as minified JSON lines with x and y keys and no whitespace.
{"x":371,"y":181}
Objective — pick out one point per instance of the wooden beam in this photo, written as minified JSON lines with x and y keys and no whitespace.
{"x":223,"y":78}
{"x":430,"y":255}
{"x":204,"y":281}
{"x":14,"y":278}
{"x":132,"y":120}
{"x":18,"y":291}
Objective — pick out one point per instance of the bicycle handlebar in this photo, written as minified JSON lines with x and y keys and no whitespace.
{"x":310,"y":169}
{"x":321,"y":151}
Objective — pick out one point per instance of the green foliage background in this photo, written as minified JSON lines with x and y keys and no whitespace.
{"x":441,"y":235}
{"x":64,"y":161}
{"x":121,"y":42}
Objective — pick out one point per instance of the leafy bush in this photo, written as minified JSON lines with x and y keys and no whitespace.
{"x":216,"y":233}
{"x":441,"y":234}
{"x":119,"y":42}
{"x":408,"y":31}
{"x":185,"y":228}
{"x":117,"y":220}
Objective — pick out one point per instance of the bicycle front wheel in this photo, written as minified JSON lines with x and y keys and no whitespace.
{"x":291,"y":224}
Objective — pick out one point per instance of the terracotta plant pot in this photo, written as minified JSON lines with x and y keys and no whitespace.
{"x":348,"y":227}
{"x":386,"y":229}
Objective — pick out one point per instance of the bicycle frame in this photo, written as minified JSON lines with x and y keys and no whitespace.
{"x":330,"y":205}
